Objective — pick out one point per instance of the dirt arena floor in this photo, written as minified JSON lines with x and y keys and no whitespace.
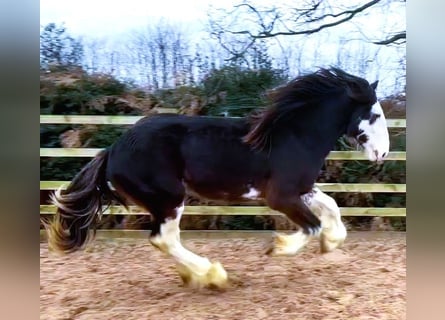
{"x":129,"y":279}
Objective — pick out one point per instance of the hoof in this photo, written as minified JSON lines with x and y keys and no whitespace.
{"x":328,"y":245}
{"x":286,"y":245}
{"x":215,"y":278}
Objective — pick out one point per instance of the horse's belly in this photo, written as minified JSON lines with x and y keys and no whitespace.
{"x":224,"y":190}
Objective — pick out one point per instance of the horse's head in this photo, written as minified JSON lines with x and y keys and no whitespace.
{"x":368,"y":124}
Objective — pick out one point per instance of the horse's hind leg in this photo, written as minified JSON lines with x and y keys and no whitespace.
{"x":195,"y":271}
{"x":333,"y":232}
{"x":166,"y":205}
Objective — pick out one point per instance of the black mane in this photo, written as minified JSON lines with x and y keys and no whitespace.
{"x":305,"y":91}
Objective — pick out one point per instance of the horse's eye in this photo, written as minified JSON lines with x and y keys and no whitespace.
{"x":362,"y":138}
{"x":374,"y":117}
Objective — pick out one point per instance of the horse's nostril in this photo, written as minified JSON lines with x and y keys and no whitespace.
{"x":384,"y":154}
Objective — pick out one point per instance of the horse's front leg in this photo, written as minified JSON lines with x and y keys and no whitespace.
{"x":333,"y":232}
{"x":296,"y":210}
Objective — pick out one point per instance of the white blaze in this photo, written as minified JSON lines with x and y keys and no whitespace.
{"x":377,"y":146}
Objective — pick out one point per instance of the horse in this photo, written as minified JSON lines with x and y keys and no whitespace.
{"x":274,"y":154}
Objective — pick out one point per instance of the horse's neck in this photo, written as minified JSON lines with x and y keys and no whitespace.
{"x":320,"y":131}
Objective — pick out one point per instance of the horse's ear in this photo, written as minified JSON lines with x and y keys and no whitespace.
{"x":374,"y":85}
{"x":354,"y":92}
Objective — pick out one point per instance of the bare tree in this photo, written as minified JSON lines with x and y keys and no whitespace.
{"x":161,"y":51}
{"x":179,"y":49}
{"x":93,"y":52}
{"x":162,"y":47}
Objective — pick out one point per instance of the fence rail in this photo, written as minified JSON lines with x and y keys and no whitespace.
{"x":242,"y":211}
{"x":91,"y":152}
{"x":326,"y":187}
{"x":128,"y":120}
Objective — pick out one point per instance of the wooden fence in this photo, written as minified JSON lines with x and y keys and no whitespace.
{"x":224,"y":210}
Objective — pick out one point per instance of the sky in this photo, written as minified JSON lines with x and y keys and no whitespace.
{"x":110,"y":17}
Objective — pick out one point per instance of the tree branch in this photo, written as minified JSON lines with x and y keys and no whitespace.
{"x":269,"y":34}
{"x":393,"y":39}
{"x":353,"y":12}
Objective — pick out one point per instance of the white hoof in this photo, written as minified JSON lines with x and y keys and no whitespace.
{"x":327,"y":245}
{"x":287,"y":244}
{"x":215,"y":278}
{"x":330,"y":243}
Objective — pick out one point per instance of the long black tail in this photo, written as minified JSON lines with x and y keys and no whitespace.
{"x":79,"y":207}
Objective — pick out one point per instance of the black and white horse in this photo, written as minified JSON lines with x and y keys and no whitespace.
{"x":275,"y":154}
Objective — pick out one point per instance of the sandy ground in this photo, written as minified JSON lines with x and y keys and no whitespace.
{"x":130,"y":279}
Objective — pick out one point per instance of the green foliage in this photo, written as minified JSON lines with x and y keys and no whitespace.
{"x":106,"y":135}
{"x":61,"y":168}
{"x":69,"y":100}
{"x":49,"y":135}
{"x":102,"y":85}
{"x":234,"y":91}
{"x":82,"y":95}
{"x":173,"y":98}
